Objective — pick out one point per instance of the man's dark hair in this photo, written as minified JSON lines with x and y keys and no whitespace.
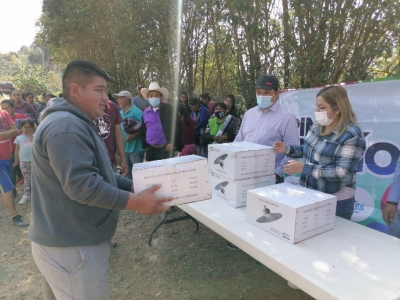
{"x":9,"y":102}
{"x":27,"y":94}
{"x":82,"y":73}
{"x":50,"y":95}
{"x":194,"y":101}
{"x":220,"y":104}
{"x":205,"y":96}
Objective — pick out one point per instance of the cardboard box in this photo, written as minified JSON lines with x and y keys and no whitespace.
{"x":234,"y":192}
{"x":183,"y":178}
{"x":291,"y":212}
{"x":241,"y":160}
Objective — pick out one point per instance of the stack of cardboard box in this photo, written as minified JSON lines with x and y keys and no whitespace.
{"x":235,"y":168}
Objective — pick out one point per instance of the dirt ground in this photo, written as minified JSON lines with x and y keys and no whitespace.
{"x":181,"y":264}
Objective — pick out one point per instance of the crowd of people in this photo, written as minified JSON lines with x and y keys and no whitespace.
{"x":81,"y":135}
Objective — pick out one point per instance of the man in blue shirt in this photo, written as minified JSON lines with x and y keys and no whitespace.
{"x":133,"y":145}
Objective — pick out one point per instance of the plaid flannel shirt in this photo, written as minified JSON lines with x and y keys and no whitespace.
{"x":331,"y":161}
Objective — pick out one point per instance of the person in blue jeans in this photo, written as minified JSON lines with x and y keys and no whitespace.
{"x":201,"y":114}
{"x":133,"y":145}
{"x":389,"y":212}
{"x":332,"y":150}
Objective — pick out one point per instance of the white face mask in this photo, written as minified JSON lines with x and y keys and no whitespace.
{"x":321,"y":117}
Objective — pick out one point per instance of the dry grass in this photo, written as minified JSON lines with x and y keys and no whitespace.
{"x":180,"y":265}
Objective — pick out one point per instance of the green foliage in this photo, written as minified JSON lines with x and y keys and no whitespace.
{"x":225,"y":45}
{"x":33,"y":78}
{"x":28,"y":70}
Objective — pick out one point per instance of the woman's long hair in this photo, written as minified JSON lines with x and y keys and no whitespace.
{"x":336,"y":96}
{"x":183,"y":111}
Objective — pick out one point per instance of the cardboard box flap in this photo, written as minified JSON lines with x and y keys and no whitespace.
{"x":303,"y":192}
{"x":168,"y":162}
{"x":291,"y":196}
{"x":241,"y":146}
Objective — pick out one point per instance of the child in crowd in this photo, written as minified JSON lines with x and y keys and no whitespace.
{"x":23,"y":156}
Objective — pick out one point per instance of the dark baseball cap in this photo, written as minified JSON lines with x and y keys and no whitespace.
{"x":267,"y":82}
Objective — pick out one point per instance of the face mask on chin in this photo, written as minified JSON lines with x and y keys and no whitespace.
{"x":321,"y":117}
{"x":264,"y":101}
{"x":154,"y":102}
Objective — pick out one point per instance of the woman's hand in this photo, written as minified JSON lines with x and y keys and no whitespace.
{"x":221,"y":138}
{"x":293,"y":167}
{"x":279,"y":147}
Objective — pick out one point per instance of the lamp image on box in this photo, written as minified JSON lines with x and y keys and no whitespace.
{"x":268,"y":216}
{"x":221,"y":186}
{"x":220,"y":160}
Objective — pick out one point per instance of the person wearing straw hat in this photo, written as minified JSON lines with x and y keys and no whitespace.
{"x":161,"y":128}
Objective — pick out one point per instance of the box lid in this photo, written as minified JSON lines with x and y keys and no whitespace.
{"x":168,"y":162}
{"x":291,"y":195}
{"x":240,"y":146}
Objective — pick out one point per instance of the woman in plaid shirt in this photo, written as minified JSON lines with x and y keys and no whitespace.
{"x":332,"y":150}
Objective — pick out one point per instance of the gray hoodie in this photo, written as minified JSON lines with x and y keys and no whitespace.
{"x":76,"y":197}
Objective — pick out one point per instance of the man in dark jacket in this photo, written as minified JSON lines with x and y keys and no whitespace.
{"x":161,"y":128}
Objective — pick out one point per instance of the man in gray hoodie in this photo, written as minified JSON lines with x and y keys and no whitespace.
{"x":76,"y":197}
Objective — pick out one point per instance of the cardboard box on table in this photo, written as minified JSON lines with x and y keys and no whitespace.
{"x":184,"y":178}
{"x":241,"y":160}
{"x":234,"y":192}
{"x":291,"y":212}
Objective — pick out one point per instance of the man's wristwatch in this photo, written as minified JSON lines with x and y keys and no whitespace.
{"x":393,"y":203}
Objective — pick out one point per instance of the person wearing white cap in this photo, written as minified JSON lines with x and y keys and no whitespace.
{"x":161,"y":128}
{"x":133,"y":146}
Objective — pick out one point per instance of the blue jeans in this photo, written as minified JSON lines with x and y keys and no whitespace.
{"x":394,"y":228}
{"x":345,"y":208}
{"x":131,"y":159}
{"x":6,"y":167}
{"x":202,"y":150}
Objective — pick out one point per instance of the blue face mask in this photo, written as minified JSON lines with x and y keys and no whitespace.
{"x":154,"y":102}
{"x":264,"y":101}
